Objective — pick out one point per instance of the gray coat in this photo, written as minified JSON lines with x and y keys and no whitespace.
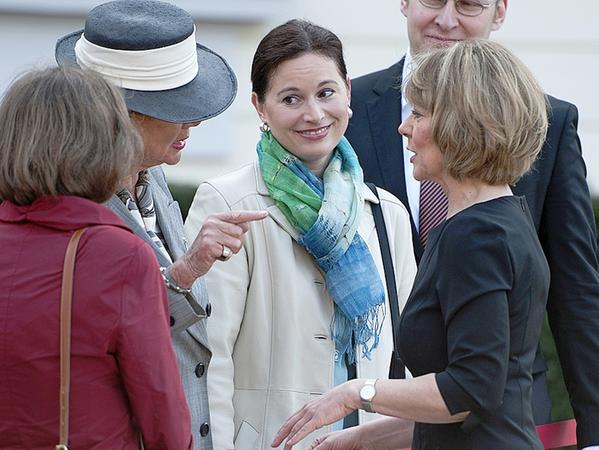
{"x":187,"y":330}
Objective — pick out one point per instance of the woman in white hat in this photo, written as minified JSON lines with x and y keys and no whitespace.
{"x":170,"y":84}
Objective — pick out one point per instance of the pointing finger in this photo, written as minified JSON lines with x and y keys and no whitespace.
{"x":242,"y":216}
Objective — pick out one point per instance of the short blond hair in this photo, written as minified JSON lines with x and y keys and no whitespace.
{"x":64,"y":131}
{"x":488,"y":112}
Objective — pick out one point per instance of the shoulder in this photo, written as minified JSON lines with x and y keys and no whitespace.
{"x":232,"y":187}
{"x":395,"y":213}
{"x":112,"y":236}
{"x":478,"y":250}
{"x":487,"y":217}
{"x":474,"y":254}
{"x":562,"y":114}
{"x":115,"y":235}
{"x":561,"y":132}
{"x":116,"y":246}
{"x":364,"y":84}
{"x":477,"y":231}
{"x":390,"y":202}
{"x":560,"y":108}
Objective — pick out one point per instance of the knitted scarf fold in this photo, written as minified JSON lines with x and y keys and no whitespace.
{"x":326,"y":214}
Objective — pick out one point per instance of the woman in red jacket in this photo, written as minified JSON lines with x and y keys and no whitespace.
{"x":65,"y":142}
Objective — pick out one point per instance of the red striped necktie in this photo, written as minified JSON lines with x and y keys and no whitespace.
{"x":433,"y":208}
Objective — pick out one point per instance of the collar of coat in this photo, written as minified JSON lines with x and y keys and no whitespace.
{"x":276,"y":213}
{"x":62,"y":212}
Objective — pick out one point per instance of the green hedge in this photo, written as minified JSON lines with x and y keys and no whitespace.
{"x":183,"y":193}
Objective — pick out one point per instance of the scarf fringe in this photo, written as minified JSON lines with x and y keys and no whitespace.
{"x":326,"y":214}
{"x":365,"y":328}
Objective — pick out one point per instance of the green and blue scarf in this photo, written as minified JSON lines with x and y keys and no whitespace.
{"x":326,"y":214}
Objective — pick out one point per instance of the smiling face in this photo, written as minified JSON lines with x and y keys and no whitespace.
{"x":163,"y":141}
{"x":427,"y":160}
{"x":429,"y":28}
{"x":306,"y":106}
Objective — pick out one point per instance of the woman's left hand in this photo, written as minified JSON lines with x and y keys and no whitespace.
{"x":329,"y":408}
{"x":348,"y":439}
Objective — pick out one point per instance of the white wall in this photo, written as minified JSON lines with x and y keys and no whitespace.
{"x":560,"y":44}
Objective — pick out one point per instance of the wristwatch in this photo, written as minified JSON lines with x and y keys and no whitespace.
{"x":367,"y":393}
{"x":166,"y":276}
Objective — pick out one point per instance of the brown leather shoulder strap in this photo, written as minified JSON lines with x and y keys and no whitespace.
{"x":66,"y":297}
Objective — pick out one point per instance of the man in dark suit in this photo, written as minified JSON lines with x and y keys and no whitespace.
{"x":555,"y":189}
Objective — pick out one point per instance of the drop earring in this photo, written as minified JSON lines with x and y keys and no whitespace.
{"x":264,"y":127}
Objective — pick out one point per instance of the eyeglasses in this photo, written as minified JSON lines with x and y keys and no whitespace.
{"x":470,"y":8}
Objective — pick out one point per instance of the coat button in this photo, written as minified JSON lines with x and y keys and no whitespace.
{"x":208,"y":309}
{"x":172,"y":321}
{"x":200,"y":369}
{"x":204,"y":429}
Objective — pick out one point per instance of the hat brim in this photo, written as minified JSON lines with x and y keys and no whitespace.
{"x":210,"y":93}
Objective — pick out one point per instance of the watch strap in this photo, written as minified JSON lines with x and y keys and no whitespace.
{"x":367,"y":402}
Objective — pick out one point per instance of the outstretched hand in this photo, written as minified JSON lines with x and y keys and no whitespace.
{"x":348,"y":439}
{"x":329,"y":408}
{"x":219,"y":232}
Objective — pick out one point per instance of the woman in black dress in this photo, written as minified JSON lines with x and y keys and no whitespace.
{"x":471,"y":326}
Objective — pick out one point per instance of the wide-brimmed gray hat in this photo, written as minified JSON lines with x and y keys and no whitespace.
{"x":148,"y":48}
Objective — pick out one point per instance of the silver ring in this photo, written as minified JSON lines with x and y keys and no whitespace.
{"x":226,"y":254}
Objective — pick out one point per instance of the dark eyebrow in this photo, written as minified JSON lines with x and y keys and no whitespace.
{"x":322,"y":83}
{"x":294,"y":89}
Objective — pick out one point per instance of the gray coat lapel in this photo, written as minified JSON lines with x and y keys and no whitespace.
{"x":170,"y":222}
{"x":116,"y":205}
{"x":168,"y":215}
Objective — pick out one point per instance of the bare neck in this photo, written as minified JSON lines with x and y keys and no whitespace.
{"x":130,"y":181}
{"x":465,"y":193}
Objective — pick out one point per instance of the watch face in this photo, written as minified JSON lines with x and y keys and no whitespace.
{"x":367,"y":392}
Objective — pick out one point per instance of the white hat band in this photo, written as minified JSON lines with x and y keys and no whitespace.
{"x":157,"y":69}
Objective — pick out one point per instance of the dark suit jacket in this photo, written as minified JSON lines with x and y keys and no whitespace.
{"x":559,"y":201}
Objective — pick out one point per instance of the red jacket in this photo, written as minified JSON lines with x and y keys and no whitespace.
{"x":124,"y":376}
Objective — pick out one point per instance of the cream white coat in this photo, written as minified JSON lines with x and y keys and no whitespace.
{"x":270,"y":329}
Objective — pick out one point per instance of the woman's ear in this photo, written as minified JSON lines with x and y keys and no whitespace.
{"x":500,"y":13}
{"x":403,"y":7}
{"x":348,"y":84}
{"x":136,"y":117}
{"x":259,"y":107}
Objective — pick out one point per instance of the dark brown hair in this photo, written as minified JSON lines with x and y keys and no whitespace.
{"x":64,"y":131}
{"x":289,"y":41}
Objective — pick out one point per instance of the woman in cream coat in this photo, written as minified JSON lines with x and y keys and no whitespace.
{"x":276,"y":330}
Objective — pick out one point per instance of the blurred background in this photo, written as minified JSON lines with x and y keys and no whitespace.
{"x":558,"y":40}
